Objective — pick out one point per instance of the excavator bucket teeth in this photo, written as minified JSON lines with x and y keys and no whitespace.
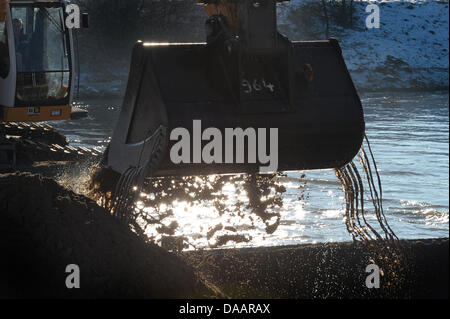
{"x":302,"y":88}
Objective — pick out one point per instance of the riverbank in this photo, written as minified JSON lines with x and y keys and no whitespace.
{"x":324,"y":270}
{"x":409,"y":50}
{"x":46,"y":227}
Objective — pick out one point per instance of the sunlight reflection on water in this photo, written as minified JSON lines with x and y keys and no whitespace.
{"x":409,"y":134}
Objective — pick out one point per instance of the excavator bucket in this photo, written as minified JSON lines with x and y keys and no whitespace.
{"x":256,"y":79}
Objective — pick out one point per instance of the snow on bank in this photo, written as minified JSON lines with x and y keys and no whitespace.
{"x":408,"y":51}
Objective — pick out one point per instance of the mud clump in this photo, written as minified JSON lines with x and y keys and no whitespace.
{"x":45,"y":228}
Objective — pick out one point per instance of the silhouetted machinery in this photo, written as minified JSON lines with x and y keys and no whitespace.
{"x":247,"y":75}
{"x":37,"y":61}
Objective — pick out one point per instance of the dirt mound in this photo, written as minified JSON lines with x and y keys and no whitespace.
{"x":45,"y":227}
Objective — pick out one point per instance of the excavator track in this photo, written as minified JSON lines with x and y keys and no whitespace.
{"x":33,"y":131}
{"x":25,"y":144}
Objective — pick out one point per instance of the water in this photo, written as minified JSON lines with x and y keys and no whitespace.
{"x":409,"y":133}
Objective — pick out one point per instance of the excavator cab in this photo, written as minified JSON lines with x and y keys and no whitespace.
{"x":36,"y":61}
{"x":246,"y":75}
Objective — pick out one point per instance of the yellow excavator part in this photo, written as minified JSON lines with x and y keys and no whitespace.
{"x":228,"y":10}
{"x":3,"y":10}
{"x":36,"y":113}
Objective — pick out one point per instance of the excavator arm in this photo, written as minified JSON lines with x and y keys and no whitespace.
{"x":247,"y":75}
